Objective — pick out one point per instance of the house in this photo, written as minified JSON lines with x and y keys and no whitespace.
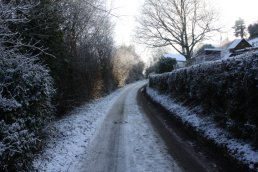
{"x":236,"y":47}
{"x":213,"y":51}
{"x":209,"y":54}
{"x":238,"y":44}
{"x":254,"y":42}
{"x":180,"y":59}
{"x":233,"y":48}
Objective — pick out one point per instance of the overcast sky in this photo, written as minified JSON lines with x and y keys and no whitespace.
{"x":229,"y":10}
{"x":127,"y":10}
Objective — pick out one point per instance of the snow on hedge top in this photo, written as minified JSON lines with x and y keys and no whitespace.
{"x":245,"y":56}
{"x":178,"y":57}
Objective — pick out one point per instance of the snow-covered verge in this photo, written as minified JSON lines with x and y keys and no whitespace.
{"x":69,"y":137}
{"x":206,"y":127}
{"x":225,"y":89}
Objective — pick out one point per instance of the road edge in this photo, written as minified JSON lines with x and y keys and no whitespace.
{"x":220,"y":156}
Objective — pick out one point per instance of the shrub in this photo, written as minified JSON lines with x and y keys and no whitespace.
{"x":165,"y":65}
{"x":159,"y":82}
{"x":26,"y":91}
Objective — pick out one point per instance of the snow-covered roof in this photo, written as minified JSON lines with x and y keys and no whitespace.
{"x":178,"y":57}
{"x":213,"y":49}
{"x":254,"y":42}
{"x":234,"y":43}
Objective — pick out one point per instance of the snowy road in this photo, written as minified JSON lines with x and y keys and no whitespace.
{"x":122,"y":132}
{"x":126,"y":141}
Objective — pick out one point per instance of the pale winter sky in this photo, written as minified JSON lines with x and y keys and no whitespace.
{"x":229,"y":11}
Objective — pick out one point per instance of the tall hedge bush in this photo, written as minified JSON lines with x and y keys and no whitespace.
{"x":225,"y":89}
{"x":26,"y":91}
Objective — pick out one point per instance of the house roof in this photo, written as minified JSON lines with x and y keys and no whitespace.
{"x":213,"y":49}
{"x":178,"y":57}
{"x":236,"y":42}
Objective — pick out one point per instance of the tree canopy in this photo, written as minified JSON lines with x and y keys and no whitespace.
{"x":240,"y":28}
{"x":181,"y":24}
{"x":128,"y":66}
{"x":253,"y":30}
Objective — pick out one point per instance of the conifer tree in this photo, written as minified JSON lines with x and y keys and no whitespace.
{"x":253,"y":30}
{"x":240,"y":28}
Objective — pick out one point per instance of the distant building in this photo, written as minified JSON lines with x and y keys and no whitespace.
{"x":180,"y":59}
{"x":236,"y":47}
{"x":238,"y":44}
{"x":213,"y":51}
{"x":209,"y":54}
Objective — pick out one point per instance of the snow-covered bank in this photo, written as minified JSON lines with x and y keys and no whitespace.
{"x":205,"y":126}
{"x":69,"y":137}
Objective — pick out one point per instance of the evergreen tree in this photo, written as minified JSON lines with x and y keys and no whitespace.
{"x":253,"y":30}
{"x":240,"y":28}
{"x":165,"y":65}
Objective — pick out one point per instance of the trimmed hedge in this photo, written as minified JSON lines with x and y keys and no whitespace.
{"x":226,"y":89}
{"x":26,"y":91}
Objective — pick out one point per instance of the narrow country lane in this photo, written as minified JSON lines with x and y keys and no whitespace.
{"x":126,"y":132}
{"x":126,"y":141}
{"x":137,"y":136}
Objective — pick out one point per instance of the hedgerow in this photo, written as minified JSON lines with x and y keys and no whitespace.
{"x":26,"y":91}
{"x":225,"y":89}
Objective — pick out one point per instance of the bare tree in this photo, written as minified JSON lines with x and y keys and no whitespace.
{"x":128,"y":66}
{"x":177,"y":23}
{"x":88,"y":36}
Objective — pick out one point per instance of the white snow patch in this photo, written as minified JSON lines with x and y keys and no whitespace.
{"x":70,"y":136}
{"x":238,"y":149}
{"x":178,"y":57}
